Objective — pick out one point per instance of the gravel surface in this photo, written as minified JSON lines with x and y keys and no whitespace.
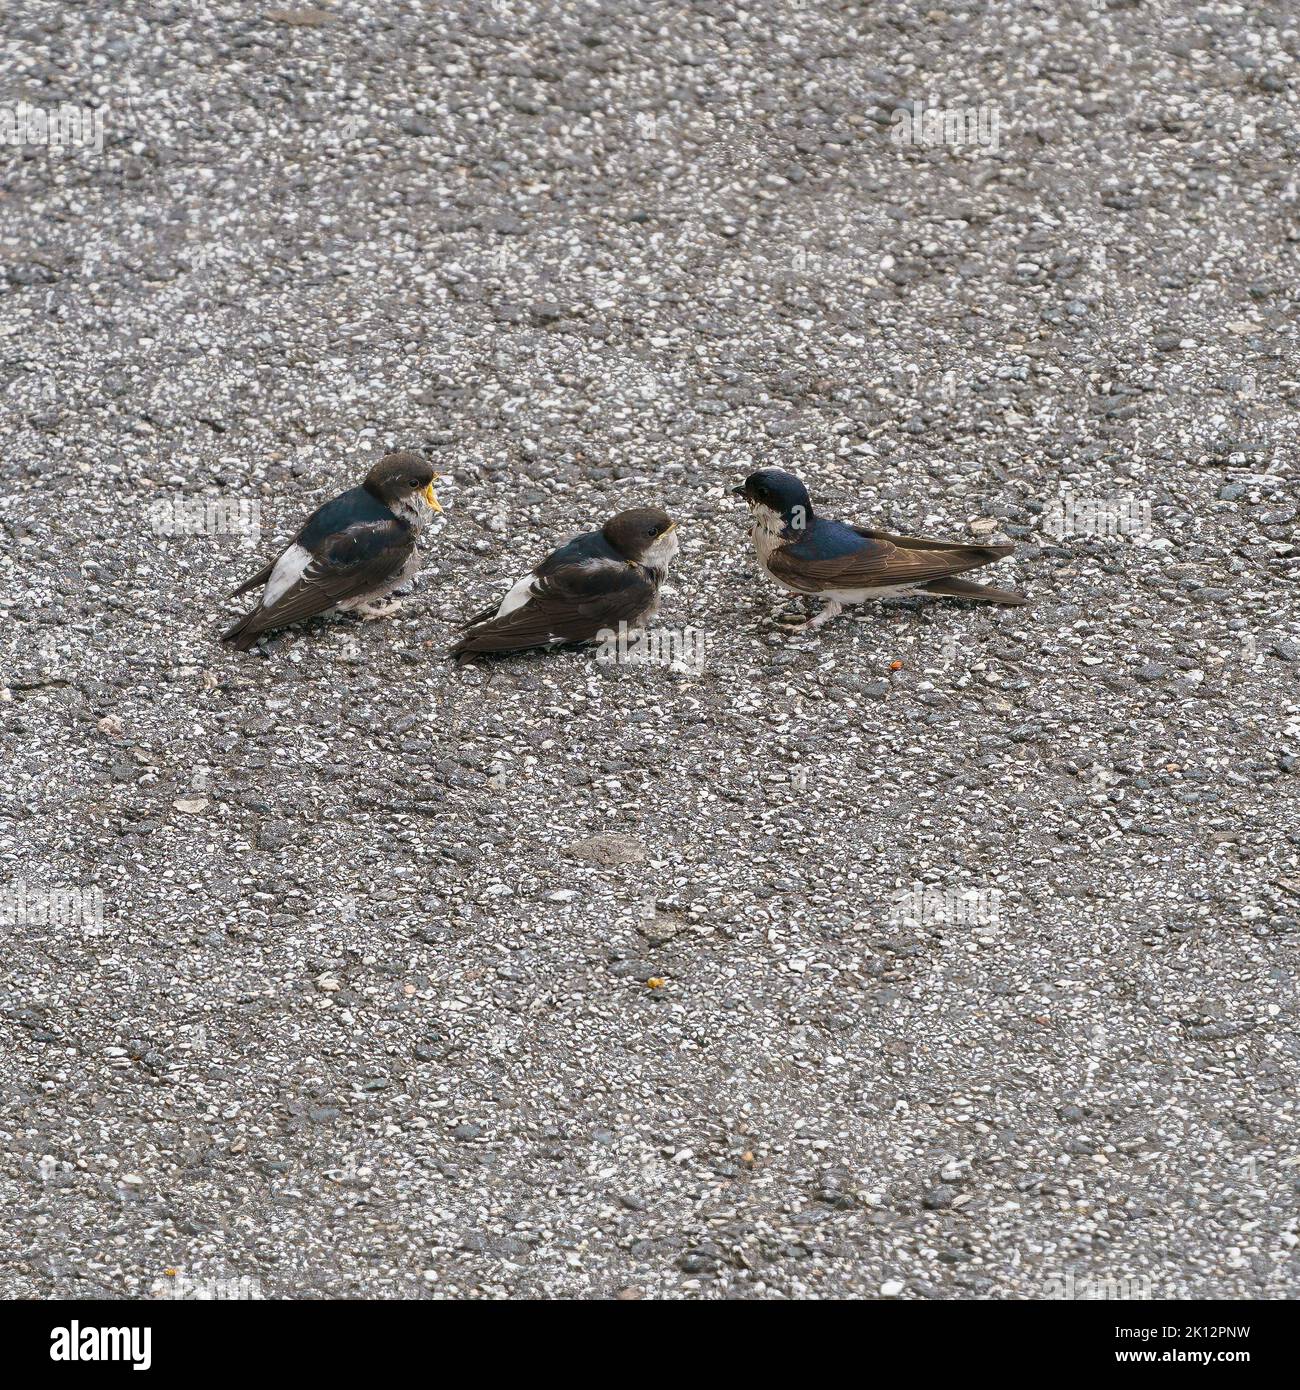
{"x":950,"y":954}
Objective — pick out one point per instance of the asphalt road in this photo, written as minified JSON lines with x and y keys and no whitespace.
{"x":949,"y":955}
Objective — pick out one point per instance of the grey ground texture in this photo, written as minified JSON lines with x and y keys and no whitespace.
{"x":949,"y":953}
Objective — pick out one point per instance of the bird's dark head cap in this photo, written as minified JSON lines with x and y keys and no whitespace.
{"x":401,"y":476}
{"x":633,"y":532}
{"x":780,"y":492}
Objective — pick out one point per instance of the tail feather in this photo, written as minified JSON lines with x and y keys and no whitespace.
{"x":480,"y":617}
{"x":483,"y":638}
{"x":245,"y":632}
{"x":975,"y":593}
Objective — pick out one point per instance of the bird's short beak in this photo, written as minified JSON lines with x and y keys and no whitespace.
{"x":430,"y":498}
{"x":737,"y":491}
{"x":672,"y":526}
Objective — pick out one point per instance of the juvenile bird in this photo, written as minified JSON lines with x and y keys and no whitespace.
{"x":596,"y":581}
{"x":851,"y":564}
{"x":350,"y":553}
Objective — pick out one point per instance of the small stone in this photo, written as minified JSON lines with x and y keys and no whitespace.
{"x":609,"y":850}
{"x":891,"y":1288}
{"x":634,"y":969}
{"x":304,"y":18}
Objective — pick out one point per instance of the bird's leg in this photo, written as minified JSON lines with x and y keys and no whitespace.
{"x":369,"y":612}
{"x":833,"y":609}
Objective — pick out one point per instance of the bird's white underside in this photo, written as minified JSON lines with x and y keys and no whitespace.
{"x":662,"y":552}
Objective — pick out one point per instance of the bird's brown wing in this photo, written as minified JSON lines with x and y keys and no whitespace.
{"x":350,"y":564}
{"x":571,"y":604}
{"x":881,"y":563}
{"x":916,"y":543}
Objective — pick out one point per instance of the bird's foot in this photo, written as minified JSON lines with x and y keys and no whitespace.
{"x":370,"y":612}
{"x":832,"y":610}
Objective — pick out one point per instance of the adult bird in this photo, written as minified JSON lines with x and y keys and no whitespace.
{"x":350,"y":553}
{"x":809,"y":554}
